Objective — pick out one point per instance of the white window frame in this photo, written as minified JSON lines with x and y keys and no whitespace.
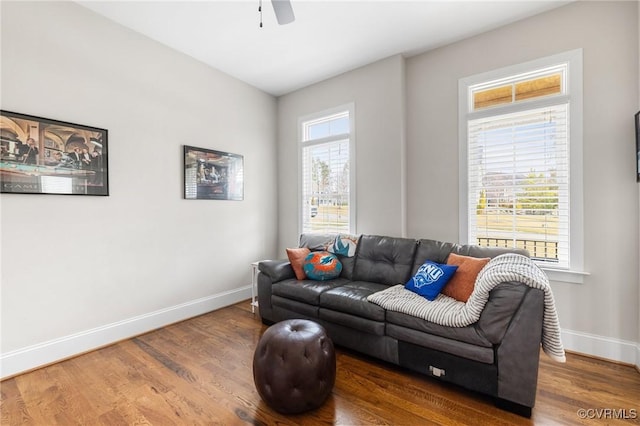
{"x":351,"y":136}
{"x":575,"y":272}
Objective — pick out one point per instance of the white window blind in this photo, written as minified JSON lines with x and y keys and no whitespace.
{"x":518,"y":182}
{"x":520,"y":141}
{"x":326,"y":196}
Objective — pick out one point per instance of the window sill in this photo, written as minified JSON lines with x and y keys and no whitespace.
{"x":565,"y":275}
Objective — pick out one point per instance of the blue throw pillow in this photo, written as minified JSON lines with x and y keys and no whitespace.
{"x":321,"y":266}
{"x":430,"y":279}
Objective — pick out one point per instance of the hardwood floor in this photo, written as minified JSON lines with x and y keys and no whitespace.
{"x":200,"y":372}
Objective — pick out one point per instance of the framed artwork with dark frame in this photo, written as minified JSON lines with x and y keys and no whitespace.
{"x":638,"y":146}
{"x":45,"y":156}
{"x":212,"y":175}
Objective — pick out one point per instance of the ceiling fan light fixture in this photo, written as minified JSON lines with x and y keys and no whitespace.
{"x":283,"y":11}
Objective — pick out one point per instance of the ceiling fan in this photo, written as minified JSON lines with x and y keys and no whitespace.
{"x":283,"y":11}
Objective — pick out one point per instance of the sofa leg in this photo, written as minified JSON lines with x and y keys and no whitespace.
{"x":267,"y":322}
{"x":513,"y":407}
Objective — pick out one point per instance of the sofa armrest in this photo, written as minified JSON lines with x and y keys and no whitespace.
{"x":271,"y":272}
{"x":504,"y":301}
{"x":519,"y":351}
{"x":276,"y":270}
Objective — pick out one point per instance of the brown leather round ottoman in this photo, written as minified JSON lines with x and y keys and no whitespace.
{"x":294,"y":366}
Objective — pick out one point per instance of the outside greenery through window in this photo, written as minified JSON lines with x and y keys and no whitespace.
{"x":326,"y":204}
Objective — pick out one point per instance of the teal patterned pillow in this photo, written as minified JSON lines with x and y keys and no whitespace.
{"x":322,"y":266}
{"x":344,"y":245}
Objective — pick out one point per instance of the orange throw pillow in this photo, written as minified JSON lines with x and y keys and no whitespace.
{"x":296,"y":257}
{"x":463,"y":281}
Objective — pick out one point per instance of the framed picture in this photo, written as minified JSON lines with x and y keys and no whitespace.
{"x":638,"y":146}
{"x":212,"y":175}
{"x":44,"y":156}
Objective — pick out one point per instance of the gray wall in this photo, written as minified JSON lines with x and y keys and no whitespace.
{"x":608,"y":34}
{"x":378,"y":93}
{"x":94,"y":269}
{"x":599,"y":316}
{"x":144,"y":256}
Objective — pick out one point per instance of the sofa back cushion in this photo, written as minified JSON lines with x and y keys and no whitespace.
{"x":384,"y":260}
{"x":435,"y":251}
{"x":316,"y":242}
{"x":491,"y":252}
{"x":438,"y":251}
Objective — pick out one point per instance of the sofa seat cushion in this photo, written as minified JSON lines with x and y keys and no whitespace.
{"x":469,"y":334}
{"x":352,"y":299}
{"x":307,"y":291}
{"x":442,"y":344}
{"x":355,"y":322}
{"x":302,"y":310}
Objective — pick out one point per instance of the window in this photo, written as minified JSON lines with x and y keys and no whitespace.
{"x":520,"y":143}
{"x":326,"y":149}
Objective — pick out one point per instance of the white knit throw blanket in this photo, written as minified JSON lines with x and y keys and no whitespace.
{"x":449,"y":312}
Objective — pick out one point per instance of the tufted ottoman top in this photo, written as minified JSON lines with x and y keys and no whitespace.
{"x":294,"y":366}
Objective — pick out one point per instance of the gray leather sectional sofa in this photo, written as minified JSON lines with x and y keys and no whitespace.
{"x":498,"y":355}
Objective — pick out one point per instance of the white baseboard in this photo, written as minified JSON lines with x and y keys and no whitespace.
{"x":31,"y":357}
{"x":623,"y":351}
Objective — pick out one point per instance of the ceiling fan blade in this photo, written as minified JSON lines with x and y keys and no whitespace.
{"x":284,"y":11}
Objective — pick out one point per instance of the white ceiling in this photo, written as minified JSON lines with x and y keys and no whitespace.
{"x":326,"y":39}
